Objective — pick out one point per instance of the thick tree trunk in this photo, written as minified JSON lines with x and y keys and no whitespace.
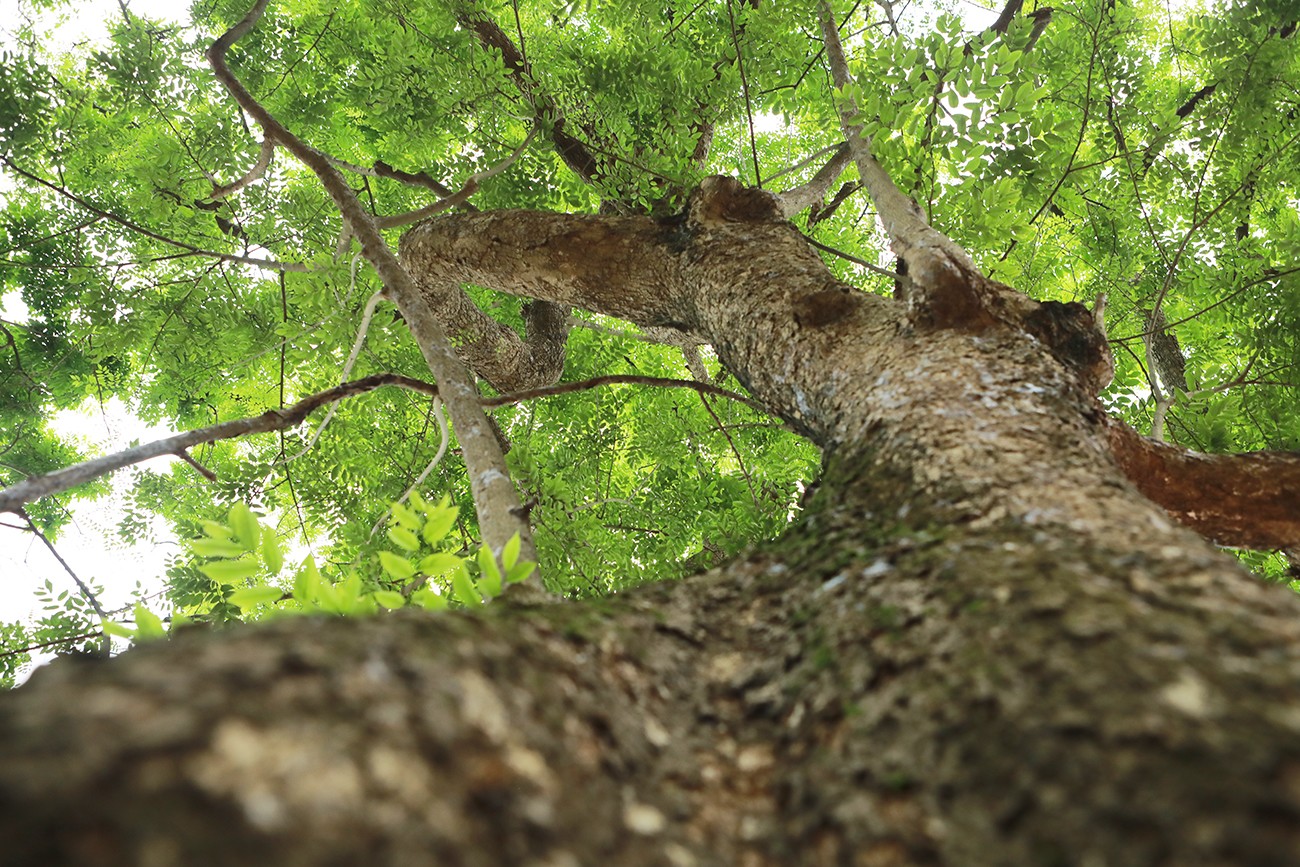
{"x":978,"y":645}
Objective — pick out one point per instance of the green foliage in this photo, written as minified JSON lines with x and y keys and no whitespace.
{"x":1067,"y":165}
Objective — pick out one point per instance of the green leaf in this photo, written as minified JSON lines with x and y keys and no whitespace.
{"x":510,"y":553}
{"x":398,"y":567}
{"x":229,"y":571}
{"x":439,"y":563}
{"x":490,"y":573}
{"x":306,"y":584}
{"x":429,"y":600}
{"x":405,"y":517}
{"x":463,"y":588}
{"x":390,"y":598}
{"x":248,"y":597}
{"x":441,"y":518}
{"x":215,"y":548}
{"x":520,"y":571}
{"x":404,"y":538}
{"x":272,"y":556}
{"x":245,"y":526}
{"x":121,"y":630}
{"x":148,"y":626}
{"x":215,"y":530}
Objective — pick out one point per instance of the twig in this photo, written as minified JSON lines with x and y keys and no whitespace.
{"x":81,"y":585}
{"x":259,"y":168}
{"x":30,"y":489}
{"x":622,"y":379}
{"x":461,"y":195}
{"x":850,"y":257}
{"x":14,"y":497}
{"x":53,"y":641}
{"x":269,"y":264}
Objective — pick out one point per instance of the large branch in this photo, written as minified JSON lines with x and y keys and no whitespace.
{"x":1245,"y":501}
{"x":495,"y":498}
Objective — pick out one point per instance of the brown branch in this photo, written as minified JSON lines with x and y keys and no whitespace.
{"x":575,"y":153}
{"x":259,"y":168}
{"x":1244,"y":500}
{"x":51,"y":643}
{"x":495,"y":497}
{"x":13,"y":498}
{"x":806,"y":195}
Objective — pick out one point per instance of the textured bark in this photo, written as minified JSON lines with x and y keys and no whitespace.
{"x":979,"y":645}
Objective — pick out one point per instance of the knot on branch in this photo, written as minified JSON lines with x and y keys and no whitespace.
{"x":720,"y":199}
{"x":1074,"y":339}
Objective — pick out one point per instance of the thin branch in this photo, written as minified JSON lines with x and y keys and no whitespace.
{"x":460,"y":196}
{"x":269,"y":264}
{"x":744,"y":88}
{"x":13,"y":498}
{"x":749,"y":482}
{"x":52,"y":642}
{"x":875,"y":269}
{"x":495,"y":497}
{"x":81,"y":585}
{"x":623,"y":379}
{"x":803,"y":196}
{"x":259,"y":168}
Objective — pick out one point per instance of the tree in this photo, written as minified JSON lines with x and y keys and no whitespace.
{"x":992,"y":633}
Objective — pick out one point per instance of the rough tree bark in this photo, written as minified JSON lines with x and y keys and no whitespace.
{"x":980,"y":644}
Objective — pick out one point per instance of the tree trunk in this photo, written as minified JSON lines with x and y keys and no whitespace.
{"x":979,"y":644}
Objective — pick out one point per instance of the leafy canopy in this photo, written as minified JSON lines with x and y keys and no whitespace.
{"x":1126,"y":148}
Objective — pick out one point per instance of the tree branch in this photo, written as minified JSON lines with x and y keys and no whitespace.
{"x":806,"y":195}
{"x":1245,"y":500}
{"x":495,"y":497}
{"x":269,"y":264}
{"x":13,"y":498}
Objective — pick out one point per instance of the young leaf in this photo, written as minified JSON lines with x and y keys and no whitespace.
{"x":490,"y":580}
{"x":215,"y":530}
{"x":404,"y":538}
{"x":399,"y":567}
{"x":215,"y":548}
{"x":510,"y":553}
{"x":463,"y":587}
{"x":272,"y":556}
{"x":439,"y":563}
{"x":121,"y":630}
{"x":429,"y":600}
{"x":227,"y":571}
{"x":405,"y":517}
{"x":147,"y":624}
{"x":245,"y":526}
{"x":442,"y":518}
{"x":247,"y":597}
{"x":520,"y":571}
{"x":389,"y":598}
